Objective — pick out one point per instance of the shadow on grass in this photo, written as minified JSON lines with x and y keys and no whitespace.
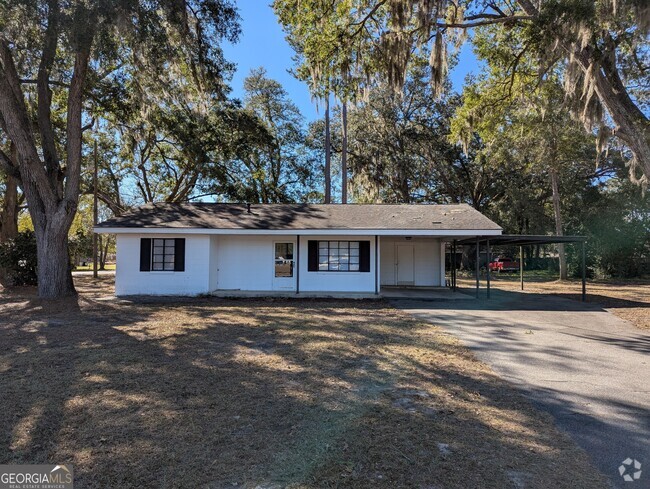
{"x":218,"y":393}
{"x":509,"y":300}
{"x":571,"y":289}
{"x":608,"y":302}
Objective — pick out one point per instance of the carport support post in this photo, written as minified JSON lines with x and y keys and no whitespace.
{"x":453,"y":266}
{"x":478,"y":256}
{"x":489,"y":259}
{"x":584,"y":274}
{"x":296,"y":263}
{"x":377,"y":285}
{"x":521,"y":266}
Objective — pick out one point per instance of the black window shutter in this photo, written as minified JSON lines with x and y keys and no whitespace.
{"x":312,"y":256}
{"x":179,"y":255}
{"x":364,"y":256}
{"x":145,"y":254}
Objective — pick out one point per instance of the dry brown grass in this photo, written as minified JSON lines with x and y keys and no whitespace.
{"x":628,"y":299}
{"x":259,"y":393}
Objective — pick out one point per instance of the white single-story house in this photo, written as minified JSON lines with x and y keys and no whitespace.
{"x":308,"y":249}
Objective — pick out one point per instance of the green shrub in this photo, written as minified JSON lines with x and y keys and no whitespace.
{"x":618,"y":236}
{"x":18,"y":260}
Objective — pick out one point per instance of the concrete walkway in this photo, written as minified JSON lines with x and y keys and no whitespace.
{"x":587,"y":367}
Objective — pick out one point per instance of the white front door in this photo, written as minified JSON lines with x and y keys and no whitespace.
{"x":284,"y":270}
{"x":405,"y":264}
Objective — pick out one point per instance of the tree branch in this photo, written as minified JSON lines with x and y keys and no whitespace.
{"x":7,"y":166}
{"x":88,"y":126}
{"x":73,"y":126}
{"x":45,"y":97}
{"x":28,"y":81}
{"x":488,"y":21}
{"x":16,"y":119}
{"x":361,"y":23}
{"x":485,"y":16}
{"x":115,"y":207}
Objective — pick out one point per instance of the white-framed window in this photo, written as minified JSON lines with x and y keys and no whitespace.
{"x":163,"y":252}
{"x":338,"y":256}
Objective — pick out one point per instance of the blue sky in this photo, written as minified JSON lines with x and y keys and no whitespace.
{"x":262,"y":43}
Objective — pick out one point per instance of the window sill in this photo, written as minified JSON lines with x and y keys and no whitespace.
{"x":333,"y":272}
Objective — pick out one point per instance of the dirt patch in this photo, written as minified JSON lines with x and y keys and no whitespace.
{"x":262,"y":393}
{"x":627,"y":299}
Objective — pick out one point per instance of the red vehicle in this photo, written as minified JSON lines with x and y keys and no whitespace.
{"x":504,"y":265}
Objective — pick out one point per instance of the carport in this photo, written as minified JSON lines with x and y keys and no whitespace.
{"x":519,"y":240}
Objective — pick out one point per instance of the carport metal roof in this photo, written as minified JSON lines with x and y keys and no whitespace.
{"x":520,"y":240}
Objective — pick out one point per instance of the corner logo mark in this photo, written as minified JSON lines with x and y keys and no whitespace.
{"x":630,"y":470}
{"x":42,"y":476}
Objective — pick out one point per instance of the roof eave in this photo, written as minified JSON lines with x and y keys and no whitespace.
{"x":312,"y":232}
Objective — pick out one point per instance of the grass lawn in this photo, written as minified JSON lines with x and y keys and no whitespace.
{"x":221,"y":393}
{"x":628,"y":299}
{"x":89,"y":267}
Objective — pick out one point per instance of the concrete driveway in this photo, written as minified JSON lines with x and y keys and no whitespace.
{"x":588,"y":368}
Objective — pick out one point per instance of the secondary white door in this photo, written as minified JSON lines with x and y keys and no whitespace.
{"x":284,"y":270}
{"x":405,"y":264}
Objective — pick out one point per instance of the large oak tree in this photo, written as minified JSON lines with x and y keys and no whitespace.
{"x":53,"y":55}
{"x":602,"y":46}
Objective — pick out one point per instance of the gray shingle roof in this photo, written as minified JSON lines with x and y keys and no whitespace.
{"x":303,"y":216}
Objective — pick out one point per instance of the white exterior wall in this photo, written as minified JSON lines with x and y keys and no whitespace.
{"x":429,"y":265}
{"x":243,"y":262}
{"x":336,"y":281}
{"x":129,"y":280}
{"x":246,"y":262}
{"x":443,"y":278}
{"x":387,"y":263}
{"x":214,"y":253}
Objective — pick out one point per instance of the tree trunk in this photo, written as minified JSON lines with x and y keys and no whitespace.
{"x":9,"y":212}
{"x":465,"y":257}
{"x":105,"y":242}
{"x":404,"y":188}
{"x":632,"y":127}
{"x":328,"y":168}
{"x":558,"y":222}
{"x":344,"y":154}
{"x":54,"y":269}
{"x":8,"y":220}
